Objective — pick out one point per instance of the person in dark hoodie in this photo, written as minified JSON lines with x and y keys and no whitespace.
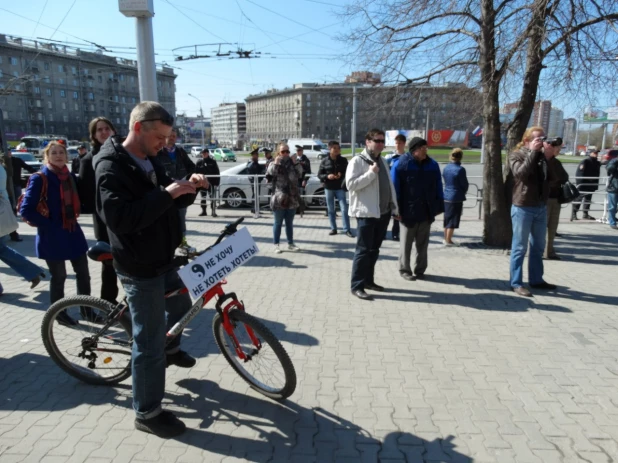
{"x":208,"y":166}
{"x":100,"y":129}
{"x":139,"y":204}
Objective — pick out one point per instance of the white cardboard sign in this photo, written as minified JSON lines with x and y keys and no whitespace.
{"x":205,"y":271}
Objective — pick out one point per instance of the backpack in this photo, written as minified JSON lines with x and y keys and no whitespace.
{"x":41,"y":206}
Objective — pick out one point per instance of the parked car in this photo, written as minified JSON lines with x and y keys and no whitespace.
{"x":73,"y":153}
{"x":31,"y":161}
{"x":608,"y":155}
{"x":195,"y":150}
{"x":236,"y":189}
{"x":223,"y":154}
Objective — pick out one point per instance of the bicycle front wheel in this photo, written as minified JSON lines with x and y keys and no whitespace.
{"x":74,"y":336}
{"x":267,"y":367}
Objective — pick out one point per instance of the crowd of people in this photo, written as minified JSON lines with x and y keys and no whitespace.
{"x":138,"y":190}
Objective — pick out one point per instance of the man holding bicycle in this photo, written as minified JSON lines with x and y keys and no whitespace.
{"x":139,"y":204}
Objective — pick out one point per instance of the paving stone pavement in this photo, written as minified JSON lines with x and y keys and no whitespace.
{"x":455,"y":368}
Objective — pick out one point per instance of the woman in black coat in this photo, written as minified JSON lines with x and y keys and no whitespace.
{"x":100,"y":129}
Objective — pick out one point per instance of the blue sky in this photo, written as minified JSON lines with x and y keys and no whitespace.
{"x":297,"y":39}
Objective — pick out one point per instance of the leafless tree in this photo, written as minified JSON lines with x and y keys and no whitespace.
{"x":502,"y":47}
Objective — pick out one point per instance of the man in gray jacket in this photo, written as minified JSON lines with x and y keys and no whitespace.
{"x":372,"y":202}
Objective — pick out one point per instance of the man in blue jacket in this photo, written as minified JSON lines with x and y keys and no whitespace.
{"x":418,"y":184}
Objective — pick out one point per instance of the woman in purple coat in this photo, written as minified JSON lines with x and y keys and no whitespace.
{"x":59,"y":237}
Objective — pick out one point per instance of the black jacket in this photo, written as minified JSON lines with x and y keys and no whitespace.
{"x":589,"y":167}
{"x":178,"y":168}
{"x":208,"y":166}
{"x":87,"y":193}
{"x":305,"y":163}
{"x":75,"y":164}
{"x":612,"y":173}
{"x":18,"y":164}
{"x":328,"y":166}
{"x":142,"y":218}
{"x":255,"y":168}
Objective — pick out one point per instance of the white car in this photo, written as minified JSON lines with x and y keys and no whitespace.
{"x":196,"y":150}
{"x":236,"y":188}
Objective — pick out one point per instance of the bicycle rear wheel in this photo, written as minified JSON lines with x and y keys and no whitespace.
{"x":74,"y":336}
{"x":268,"y":368}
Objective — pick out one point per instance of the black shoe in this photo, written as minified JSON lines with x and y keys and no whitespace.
{"x":589,"y":217}
{"x":90,"y":315}
{"x":63,"y":319}
{"x":332,"y":232}
{"x":558,"y":235}
{"x":164,"y":425}
{"x":203,"y":214}
{"x":407,"y":276}
{"x":180,"y":359}
{"x":574,"y":217}
{"x":420,"y":276}
{"x":361,"y":294}
{"x":349,"y":234}
{"x":543,"y":285}
{"x":214,"y":214}
{"x":15,"y":237}
{"x":374,"y":287}
{"x":554,"y":257}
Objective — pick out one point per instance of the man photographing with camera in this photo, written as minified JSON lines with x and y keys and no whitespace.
{"x":529,"y":210}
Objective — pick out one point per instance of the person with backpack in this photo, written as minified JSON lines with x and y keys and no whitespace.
{"x":59,"y":237}
{"x":20,"y":264}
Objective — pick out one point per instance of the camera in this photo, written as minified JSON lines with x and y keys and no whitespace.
{"x":553,"y":141}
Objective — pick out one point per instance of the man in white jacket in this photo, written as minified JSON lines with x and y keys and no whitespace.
{"x":372,"y":202}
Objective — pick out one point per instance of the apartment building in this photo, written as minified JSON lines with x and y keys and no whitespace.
{"x":229,"y":124}
{"x":50,"y":88}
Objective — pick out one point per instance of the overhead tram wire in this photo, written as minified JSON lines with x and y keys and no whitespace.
{"x":194,"y":21}
{"x":40,"y":16}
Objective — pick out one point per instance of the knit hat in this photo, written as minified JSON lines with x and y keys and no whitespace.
{"x":416,"y":143}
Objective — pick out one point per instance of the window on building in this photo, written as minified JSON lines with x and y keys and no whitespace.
{"x":39,"y":116}
{"x":73,"y":70}
{"x":63,"y":94}
{"x":50,"y":117}
{"x":75,"y":84}
{"x":37,"y":90}
{"x":123,"y":99}
{"x":116,"y":99}
{"x":86,"y":71}
{"x":49,"y":105}
{"x":63,"y":105}
{"x":13,"y":61}
{"x":121,"y":77}
{"x":61,"y":81}
{"x":75,"y":95}
{"x":90,"y":84}
{"x":76,"y":107}
{"x":100,"y":79}
{"x":60,"y":68}
{"x":117,"y":120}
{"x":92,"y":107}
{"x":308,"y":104}
{"x":6,"y":116}
{"x":65,"y":118}
{"x":38,"y":103}
{"x":133,"y":100}
{"x":46,"y":79}
{"x":18,"y":87}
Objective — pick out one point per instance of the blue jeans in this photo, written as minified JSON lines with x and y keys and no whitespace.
{"x":370,"y":233}
{"x":17,"y":262}
{"x":528,"y":223}
{"x":343,"y":205}
{"x":280,"y":216}
{"x":612,"y":200}
{"x":148,"y":308}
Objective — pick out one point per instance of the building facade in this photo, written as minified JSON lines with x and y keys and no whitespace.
{"x":541,"y":113}
{"x":570,"y":133}
{"x":229,"y":124}
{"x":556,"y":123}
{"x":54,"y":89}
{"x":309,"y":110}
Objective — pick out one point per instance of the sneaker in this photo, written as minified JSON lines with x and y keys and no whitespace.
{"x":332,"y":232}
{"x":164,"y":425}
{"x":349,"y":234}
{"x":452,"y":243}
{"x":614,"y":227}
{"x":521,"y":291}
{"x":277,"y":249}
{"x":293,"y":248}
{"x":180,"y":359}
{"x":35,"y":282}
{"x":407,"y":276}
{"x":589,"y":217}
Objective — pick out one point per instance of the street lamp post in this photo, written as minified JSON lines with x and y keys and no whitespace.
{"x":202,"y":117}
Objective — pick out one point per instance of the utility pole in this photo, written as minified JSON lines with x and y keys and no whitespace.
{"x":354,"y":121}
{"x":427,"y":126}
{"x":603,"y":135}
{"x":201,"y":117}
{"x":143,"y":11}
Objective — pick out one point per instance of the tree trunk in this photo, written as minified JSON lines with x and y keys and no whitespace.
{"x":496,"y":219}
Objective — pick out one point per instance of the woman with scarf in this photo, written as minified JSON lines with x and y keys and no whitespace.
{"x":283,"y":174}
{"x":59,"y":237}
{"x":100,"y":129}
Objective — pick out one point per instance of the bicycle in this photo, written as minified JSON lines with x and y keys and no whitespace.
{"x":100,"y":353}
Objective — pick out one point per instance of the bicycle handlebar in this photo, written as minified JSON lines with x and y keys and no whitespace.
{"x":229,"y":229}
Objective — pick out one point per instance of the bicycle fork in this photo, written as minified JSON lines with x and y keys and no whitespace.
{"x":229,"y":327}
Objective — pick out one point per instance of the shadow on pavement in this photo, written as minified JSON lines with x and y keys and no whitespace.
{"x":482,"y":301}
{"x":287,"y":431}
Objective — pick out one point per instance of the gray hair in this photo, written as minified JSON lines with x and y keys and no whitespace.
{"x":149,"y":111}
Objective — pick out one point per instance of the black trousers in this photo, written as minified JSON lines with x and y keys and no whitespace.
{"x":58,"y":272}
{"x":586,"y":199}
{"x":370,"y":233}
{"x":109,"y":282}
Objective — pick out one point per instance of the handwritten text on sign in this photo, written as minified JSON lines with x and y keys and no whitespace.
{"x":211,"y":267}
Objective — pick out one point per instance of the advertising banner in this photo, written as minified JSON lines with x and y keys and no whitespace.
{"x":601,"y":116}
{"x":207,"y":270}
{"x":450,"y":138}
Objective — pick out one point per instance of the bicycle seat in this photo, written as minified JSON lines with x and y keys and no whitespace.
{"x":100,"y":251}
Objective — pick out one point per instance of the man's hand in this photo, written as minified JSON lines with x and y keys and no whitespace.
{"x":278,"y":159}
{"x":199,"y":180}
{"x":375,"y":168}
{"x":180,"y":187}
{"x":331,"y":176}
{"x":397,"y":217}
{"x":536,"y":144}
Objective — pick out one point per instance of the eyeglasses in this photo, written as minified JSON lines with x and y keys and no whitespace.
{"x":285,"y":151}
{"x":167,"y":120}
{"x":378,"y":140}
